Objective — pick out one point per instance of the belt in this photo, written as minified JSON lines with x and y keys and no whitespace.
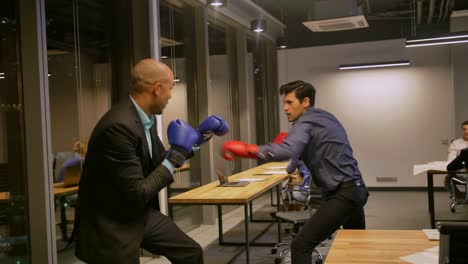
{"x":352,"y":183}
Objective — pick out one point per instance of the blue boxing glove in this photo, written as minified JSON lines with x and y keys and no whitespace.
{"x":292,"y":165}
{"x":212,"y":125}
{"x":182,"y":137}
{"x":303,"y":171}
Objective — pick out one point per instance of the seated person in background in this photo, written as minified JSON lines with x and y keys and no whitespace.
{"x":73,"y":164}
{"x":455,"y":158}
{"x":300,"y":178}
{"x":460,"y":162}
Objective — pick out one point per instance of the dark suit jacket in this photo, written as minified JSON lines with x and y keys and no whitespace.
{"x":457,"y":163}
{"x":119,"y":185}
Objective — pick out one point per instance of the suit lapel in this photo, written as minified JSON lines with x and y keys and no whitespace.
{"x":153,"y":133}
{"x":141,"y":130}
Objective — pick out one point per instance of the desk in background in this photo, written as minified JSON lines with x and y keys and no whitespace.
{"x":212,"y":194}
{"x":376,"y":246}
{"x":431,"y":169}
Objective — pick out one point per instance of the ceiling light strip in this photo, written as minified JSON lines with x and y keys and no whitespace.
{"x":438,"y":38}
{"x":412,"y":45}
{"x":375,"y":65}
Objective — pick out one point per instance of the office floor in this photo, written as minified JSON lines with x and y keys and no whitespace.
{"x":384,"y":210}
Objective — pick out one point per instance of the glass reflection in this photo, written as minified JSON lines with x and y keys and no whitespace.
{"x":14,"y":237}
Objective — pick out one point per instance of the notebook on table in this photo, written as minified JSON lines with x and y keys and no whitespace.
{"x":224,"y":181}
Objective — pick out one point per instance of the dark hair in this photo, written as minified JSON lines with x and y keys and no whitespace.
{"x":302,"y":90}
{"x":465,"y":123}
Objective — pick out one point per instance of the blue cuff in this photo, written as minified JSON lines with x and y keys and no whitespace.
{"x":168,"y":165}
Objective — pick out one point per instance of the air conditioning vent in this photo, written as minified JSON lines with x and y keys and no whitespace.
{"x":337,"y":24}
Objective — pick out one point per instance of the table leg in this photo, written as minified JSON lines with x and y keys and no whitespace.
{"x":251,"y":211}
{"x":430,"y":197}
{"x":246,"y":224}
{"x":277,"y":210}
{"x":220,"y":224}
{"x":63,"y":218}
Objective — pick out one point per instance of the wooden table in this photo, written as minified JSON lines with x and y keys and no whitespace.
{"x":376,"y":246}
{"x":430,"y":192}
{"x":213,"y":194}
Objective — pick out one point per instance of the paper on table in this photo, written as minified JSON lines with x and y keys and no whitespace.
{"x":436,"y":165}
{"x":422,"y":258}
{"x":432,"y":234}
{"x":250,"y":179}
{"x":275,"y":167}
{"x":433,"y":250}
{"x":274,"y":172}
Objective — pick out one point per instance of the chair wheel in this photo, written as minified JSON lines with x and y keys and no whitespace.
{"x":277,"y":260}
{"x":452,"y":210}
{"x":287,"y":230}
{"x":318,"y":261}
{"x":274,"y":250}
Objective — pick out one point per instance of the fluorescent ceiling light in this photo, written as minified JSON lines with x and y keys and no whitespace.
{"x":164,"y":57}
{"x":452,"y":38}
{"x":176,"y":79}
{"x":217,"y":3}
{"x":281,"y":43}
{"x":375,"y":65}
{"x":258,"y":25}
{"x":428,"y":43}
{"x":2,"y":73}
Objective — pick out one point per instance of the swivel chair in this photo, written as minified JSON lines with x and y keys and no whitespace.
{"x":457,"y":184}
{"x":458,"y":187}
{"x":310,"y":198}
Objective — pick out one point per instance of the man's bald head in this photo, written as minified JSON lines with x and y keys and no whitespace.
{"x":147,"y":72}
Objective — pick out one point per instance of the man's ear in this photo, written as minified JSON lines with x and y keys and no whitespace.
{"x":306,"y":102}
{"x":157,"y":88}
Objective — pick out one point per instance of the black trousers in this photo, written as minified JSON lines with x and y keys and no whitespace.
{"x":163,"y":237}
{"x":342,"y":207}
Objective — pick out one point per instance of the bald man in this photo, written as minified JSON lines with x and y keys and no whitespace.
{"x":125,"y":167}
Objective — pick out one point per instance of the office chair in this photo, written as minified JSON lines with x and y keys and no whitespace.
{"x":458,"y":187}
{"x":453,"y":242}
{"x":310,"y":198}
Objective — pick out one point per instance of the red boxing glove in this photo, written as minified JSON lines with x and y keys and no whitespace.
{"x":280,"y":137}
{"x":239,"y":149}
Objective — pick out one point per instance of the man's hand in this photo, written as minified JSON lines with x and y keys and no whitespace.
{"x":182,"y":137}
{"x":212,"y":125}
{"x":280,"y":137}
{"x":241,"y":149}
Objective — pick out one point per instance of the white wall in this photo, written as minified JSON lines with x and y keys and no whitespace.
{"x":460,"y":84}
{"x":395,"y":117}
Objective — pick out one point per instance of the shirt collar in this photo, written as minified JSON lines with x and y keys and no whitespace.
{"x":147,"y":122}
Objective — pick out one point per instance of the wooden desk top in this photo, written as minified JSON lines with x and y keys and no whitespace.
{"x":377,"y":246}
{"x":59,"y":189}
{"x":211,"y":193}
{"x":183,"y":168}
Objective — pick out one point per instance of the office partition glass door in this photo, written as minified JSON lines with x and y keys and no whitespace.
{"x":14,"y":235}
{"x":177,"y":42}
{"x":89,"y":48}
{"x":224,"y":87}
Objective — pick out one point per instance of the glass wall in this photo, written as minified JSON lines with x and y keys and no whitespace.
{"x":262,"y":75}
{"x":223,"y":87}
{"x":89,"y":50}
{"x":14,"y":237}
{"x":178,"y":52}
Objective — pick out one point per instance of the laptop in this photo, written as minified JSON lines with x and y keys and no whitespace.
{"x":224,"y":181}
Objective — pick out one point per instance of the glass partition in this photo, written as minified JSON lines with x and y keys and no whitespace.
{"x":178,"y":52}
{"x":88,"y":48}
{"x":14,"y":236}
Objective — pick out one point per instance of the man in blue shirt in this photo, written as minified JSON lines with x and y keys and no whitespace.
{"x":320,"y":141}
